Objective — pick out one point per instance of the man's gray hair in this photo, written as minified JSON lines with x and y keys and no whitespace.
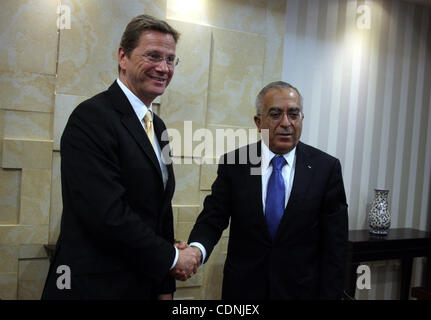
{"x":273,"y":85}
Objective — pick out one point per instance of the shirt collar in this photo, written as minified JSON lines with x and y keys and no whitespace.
{"x":267,"y":156}
{"x":139,"y":107}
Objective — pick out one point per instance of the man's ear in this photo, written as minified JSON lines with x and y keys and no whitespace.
{"x":258,"y":122}
{"x":121,"y":57}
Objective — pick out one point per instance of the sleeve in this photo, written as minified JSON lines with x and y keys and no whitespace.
{"x":93,"y":191}
{"x":168,"y":284}
{"x":215,"y":215}
{"x":334,"y":237}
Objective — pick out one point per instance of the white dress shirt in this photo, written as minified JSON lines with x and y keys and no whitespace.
{"x":141,"y":109}
{"x":288,"y":173}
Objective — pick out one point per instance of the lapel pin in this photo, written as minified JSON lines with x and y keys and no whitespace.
{"x":309,"y":167}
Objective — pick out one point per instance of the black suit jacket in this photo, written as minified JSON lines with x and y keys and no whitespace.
{"x":306,"y":259}
{"x":117,"y":225}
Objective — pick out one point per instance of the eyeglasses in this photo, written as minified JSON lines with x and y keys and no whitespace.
{"x":156,"y":58}
{"x":277,"y":115}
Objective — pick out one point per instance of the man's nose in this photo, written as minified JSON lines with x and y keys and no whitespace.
{"x":285,"y":122}
{"x":162,"y":66}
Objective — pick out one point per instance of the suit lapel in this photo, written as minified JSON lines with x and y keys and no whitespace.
{"x":163,"y":139}
{"x":132,"y":124}
{"x":303,"y":176}
{"x":254,"y":174}
{"x":254,"y":185}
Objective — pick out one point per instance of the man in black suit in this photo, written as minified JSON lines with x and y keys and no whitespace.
{"x":116,"y":233}
{"x":287,"y":209}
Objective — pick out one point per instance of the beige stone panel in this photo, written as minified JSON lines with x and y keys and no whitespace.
{"x":29,"y":36}
{"x":186,"y":293}
{"x":88,"y":51}
{"x":32,"y":269}
{"x":28,"y":125}
{"x":2,"y":116}
{"x":183,"y":230}
{"x":8,"y":286}
{"x":9,"y":258}
{"x":23,"y":234}
{"x":224,"y":240}
{"x":228,"y":138}
{"x":188,"y":213}
{"x":191,"y":140}
{"x":235,"y":78}
{"x":56,"y":206}
{"x":32,"y":251}
{"x":31,"y":278}
{"x":175,"y":216}
{"x":240,"y":15}
{"x":27,"y":91}
{"x":186,"y":97}
{"x":10,"y":182}
{"x":275,"y":29}
{"x":35,"y":196}
{"x":27,"y":154}
{"x":208,"y":176}
{"x":64,"y":105}
{"x":186,"y":182}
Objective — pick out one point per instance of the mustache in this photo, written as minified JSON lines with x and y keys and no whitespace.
{"x":287,"y":131}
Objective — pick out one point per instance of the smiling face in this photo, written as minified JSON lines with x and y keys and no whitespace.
{"x":284,"y":130}
{"x":144,"y":78}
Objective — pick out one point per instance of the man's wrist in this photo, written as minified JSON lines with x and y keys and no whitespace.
{"x":198,"y":251}
{"x":201,"y":249}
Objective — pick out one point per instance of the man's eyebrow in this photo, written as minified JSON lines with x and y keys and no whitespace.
{"x":275,"y":108}
{"x":153,"y":51}
{"x":294,"y":109}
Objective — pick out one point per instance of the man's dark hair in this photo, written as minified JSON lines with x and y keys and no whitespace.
{"x":139,"y":24}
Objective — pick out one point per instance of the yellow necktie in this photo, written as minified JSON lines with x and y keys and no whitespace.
{"x":148,"y":119}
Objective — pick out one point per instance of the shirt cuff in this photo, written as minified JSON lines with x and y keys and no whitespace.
{"x":201,"y":247}
{"x":176,"y":258}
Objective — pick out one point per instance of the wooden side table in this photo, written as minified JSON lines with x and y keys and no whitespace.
{"x":404,"y":244}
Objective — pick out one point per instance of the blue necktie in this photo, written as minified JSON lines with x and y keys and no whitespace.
{"x":274,"y":205}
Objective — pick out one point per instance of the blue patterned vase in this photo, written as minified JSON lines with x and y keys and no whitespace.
{"x":379,"y":217}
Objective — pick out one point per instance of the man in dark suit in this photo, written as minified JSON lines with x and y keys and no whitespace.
{"x":287,"y":209}
{"x":116,"y":233}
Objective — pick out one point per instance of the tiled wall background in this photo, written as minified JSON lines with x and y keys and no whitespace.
{"x":227,"y":54}
{"x":376,"y":117}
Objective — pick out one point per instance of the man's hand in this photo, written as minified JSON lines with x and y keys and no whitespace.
{"x":181,"y":245}
{"x":165,"y":296}
{"x":198,"y":252}
{"x":175,"y":272}
{"x":188,"y":262}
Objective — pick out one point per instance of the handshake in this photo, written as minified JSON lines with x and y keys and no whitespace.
{"x":189,"y":259}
